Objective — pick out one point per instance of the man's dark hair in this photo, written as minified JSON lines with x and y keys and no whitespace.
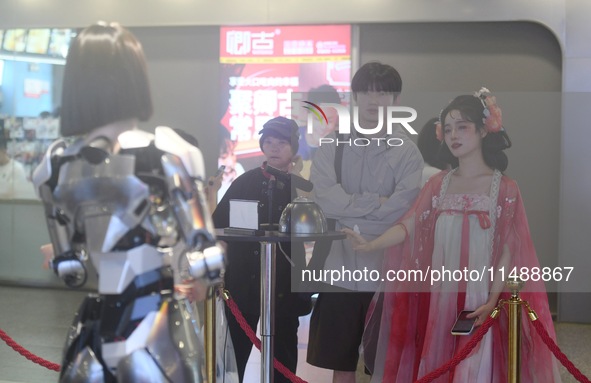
{"x":324,"y":94}
{"x":378,"y":77}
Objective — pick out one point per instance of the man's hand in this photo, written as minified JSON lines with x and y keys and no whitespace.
{"x":47,"y":251}
{"x":193,"y":290}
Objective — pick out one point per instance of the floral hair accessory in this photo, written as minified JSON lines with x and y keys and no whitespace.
{"x":493,"y":119}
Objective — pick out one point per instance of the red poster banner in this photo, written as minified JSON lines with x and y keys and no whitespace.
{"x":262,"y":69}
{"x":285,"y":44}
{"x":258,"y":94}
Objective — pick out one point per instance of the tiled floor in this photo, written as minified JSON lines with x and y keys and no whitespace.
{"x":38,"y":318}
{"x":305,"y":371}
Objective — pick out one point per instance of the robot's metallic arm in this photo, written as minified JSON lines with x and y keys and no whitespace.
{"x":183,"y":169}
{"x":67,"y":263}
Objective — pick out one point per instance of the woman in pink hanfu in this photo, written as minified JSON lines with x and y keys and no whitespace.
{"x":469,"y":218}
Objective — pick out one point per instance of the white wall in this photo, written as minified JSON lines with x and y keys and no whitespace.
{"x":575,"y":185}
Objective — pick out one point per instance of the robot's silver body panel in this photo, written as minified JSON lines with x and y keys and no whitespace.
{"x":125,"y":212}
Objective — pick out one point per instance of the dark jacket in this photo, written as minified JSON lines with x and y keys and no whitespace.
{"x":242,"y":276}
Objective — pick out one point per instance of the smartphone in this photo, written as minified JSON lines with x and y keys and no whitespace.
{"x":220,"y":170}
{"x":463,"y":325}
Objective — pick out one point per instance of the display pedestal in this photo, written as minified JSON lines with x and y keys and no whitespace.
{"x":268,"y":243}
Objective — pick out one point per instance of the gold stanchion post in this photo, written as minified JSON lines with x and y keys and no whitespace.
{"x":209,"y":329}
{"x":514,"y":370}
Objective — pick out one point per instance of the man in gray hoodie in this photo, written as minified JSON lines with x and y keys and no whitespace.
{"x":367,"y":185}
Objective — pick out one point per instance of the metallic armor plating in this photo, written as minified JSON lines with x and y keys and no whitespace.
{"x":127,"y":212}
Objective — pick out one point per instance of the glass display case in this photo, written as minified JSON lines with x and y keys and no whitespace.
{"x":31,"y":71}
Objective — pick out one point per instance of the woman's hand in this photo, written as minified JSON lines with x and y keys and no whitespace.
{"x":359,"y":243}
{"x":214,"y":183}
{"x":482,"y":312}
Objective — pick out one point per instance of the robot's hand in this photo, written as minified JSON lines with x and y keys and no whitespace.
{"x":70,"y":268}
{"x":208,"y":264}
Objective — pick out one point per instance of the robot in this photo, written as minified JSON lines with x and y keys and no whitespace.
{"x":125,"y":212}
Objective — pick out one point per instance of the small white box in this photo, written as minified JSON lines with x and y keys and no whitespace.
{"x":244,"y":214}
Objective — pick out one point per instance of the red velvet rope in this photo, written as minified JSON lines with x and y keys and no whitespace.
{"x":460,"y":355}
{"x":27,"y":354}
{"x":257,"y":342}
{"x":559,"y":354}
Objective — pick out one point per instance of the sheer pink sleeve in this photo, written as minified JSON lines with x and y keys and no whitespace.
{"x":393,"y":339}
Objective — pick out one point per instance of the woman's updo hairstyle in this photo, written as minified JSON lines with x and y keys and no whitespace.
{"x":482,"y":110}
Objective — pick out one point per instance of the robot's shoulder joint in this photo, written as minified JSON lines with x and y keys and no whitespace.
{"x":48,"y":169}
{"x":169,"y":141}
